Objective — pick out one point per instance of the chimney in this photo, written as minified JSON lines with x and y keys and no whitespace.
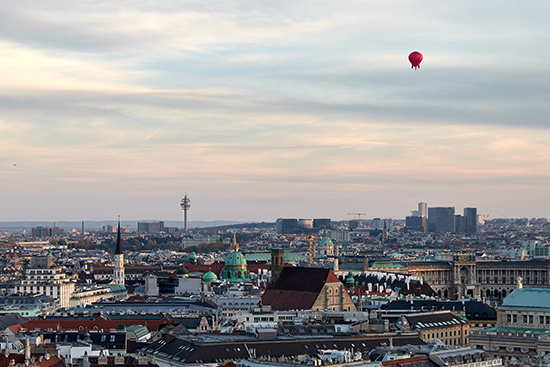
{"x":27,"y":350}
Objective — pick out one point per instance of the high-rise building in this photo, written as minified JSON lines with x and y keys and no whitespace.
{"x":150,"y":227}
{"x":441,"y":219}
{"x":415,"y":223}
{"x":380,"y":223}
{"x":322,"y":223}
{"x":423,"y":209}
{"x":286,"y":225}
{"x":305,"y":223}
{"x":470,"y":215}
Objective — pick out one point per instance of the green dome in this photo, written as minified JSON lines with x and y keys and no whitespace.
{"x":209,"y":277}
{"x":235,"y":269}
{"x":235,"y":259}
{"x":325,"y":241}
{"x":193,"y":258}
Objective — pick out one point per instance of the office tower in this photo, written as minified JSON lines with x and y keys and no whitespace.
{"x":470,"y":215}
{"x":286,"y":225}
{"x":423,"y":209}
{"x":322,"y":223}
{"x":150,"y":227}
{"x":304,"y":223}
{"x":460,"y":224}
{"x":416,"y":223}
{"x":441,"y":219}
{"x":378,"y":223}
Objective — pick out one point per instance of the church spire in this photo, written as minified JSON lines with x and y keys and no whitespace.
{"x":235,"y":244}
{"x":118,"y":250}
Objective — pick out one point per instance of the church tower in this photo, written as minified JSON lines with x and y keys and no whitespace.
{"x":118,"y":275}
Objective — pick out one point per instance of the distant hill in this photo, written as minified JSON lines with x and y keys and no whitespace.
{"x":92,"y":225}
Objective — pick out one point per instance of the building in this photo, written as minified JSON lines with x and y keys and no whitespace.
{"x":150,"y":227}
{"x":218,"y":348}
{"x":118,"y":271}
{"x":523,"y":321}
{"x":286,"y":225}
{"x":478,"y":314}
{"x":441,"y":219}
{"x":47,"y":231}
{"x":417,"y":224}
{"x":235,"y":269}
{"x":378,"y":223}
{"x":304,"y":223}
{"x":43,"y":277}
{"x":441,"y":325}
{"x":470,"y":215}
{"x":322,"y":223}
{"x":423,"y":209}
{"x":307,"y":289}
{"x":325,"y":248}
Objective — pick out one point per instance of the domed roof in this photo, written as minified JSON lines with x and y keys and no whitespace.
{"x":235,"y":259}
{"x":210,"y":277}
{"x":325,"y":241}
{"x":182,"y":271}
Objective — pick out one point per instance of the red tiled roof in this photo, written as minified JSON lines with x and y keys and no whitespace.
{"x":51,"y":362}
{"x":19,"y":358}
{"x":99,"y":324}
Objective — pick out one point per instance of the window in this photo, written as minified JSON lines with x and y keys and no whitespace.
{"x":515,"y":318}
{"x":525,"y":319}
{"x":531,"y":319}
{"x":112,"y":338}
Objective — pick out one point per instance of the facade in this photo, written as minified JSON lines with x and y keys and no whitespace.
{"x":46,"y":231}
{"x":423,"y":209}
{"x":325,"y":248}
{"x":522,"y":327}
{"x":307,"y":289}
{"x":416,"y":223}
{"x":381,"y":223}
{"x":305,"y":223}
{"x":43,"y":277}
{"x":471,"y":220}
{"x":441,"y":325}
{"x":150,"y":227}
{"x":454,"y":276}
{"x":441,"y":219}
{"x":286,"y":225}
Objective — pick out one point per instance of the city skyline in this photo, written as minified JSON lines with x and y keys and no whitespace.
{"x":258,"y":111}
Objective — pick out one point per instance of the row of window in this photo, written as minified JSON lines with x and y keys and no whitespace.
{"x":528,"y":319}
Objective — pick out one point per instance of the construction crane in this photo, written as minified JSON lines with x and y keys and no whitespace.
{"x":15,"y":247}
{"x":358,"y":215}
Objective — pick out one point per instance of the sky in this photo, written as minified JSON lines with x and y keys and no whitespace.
{"x":265,"y":109}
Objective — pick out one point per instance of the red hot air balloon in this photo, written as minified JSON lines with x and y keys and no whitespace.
{"x":415,"y":58}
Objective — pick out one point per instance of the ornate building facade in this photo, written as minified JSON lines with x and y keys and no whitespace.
{"x":458,"y":275}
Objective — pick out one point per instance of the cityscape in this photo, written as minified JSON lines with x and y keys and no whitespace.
{"x":298,"y":183}
{"x":435,"y":287}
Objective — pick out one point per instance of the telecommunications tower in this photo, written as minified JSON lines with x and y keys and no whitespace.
{"x":185,"y":205}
